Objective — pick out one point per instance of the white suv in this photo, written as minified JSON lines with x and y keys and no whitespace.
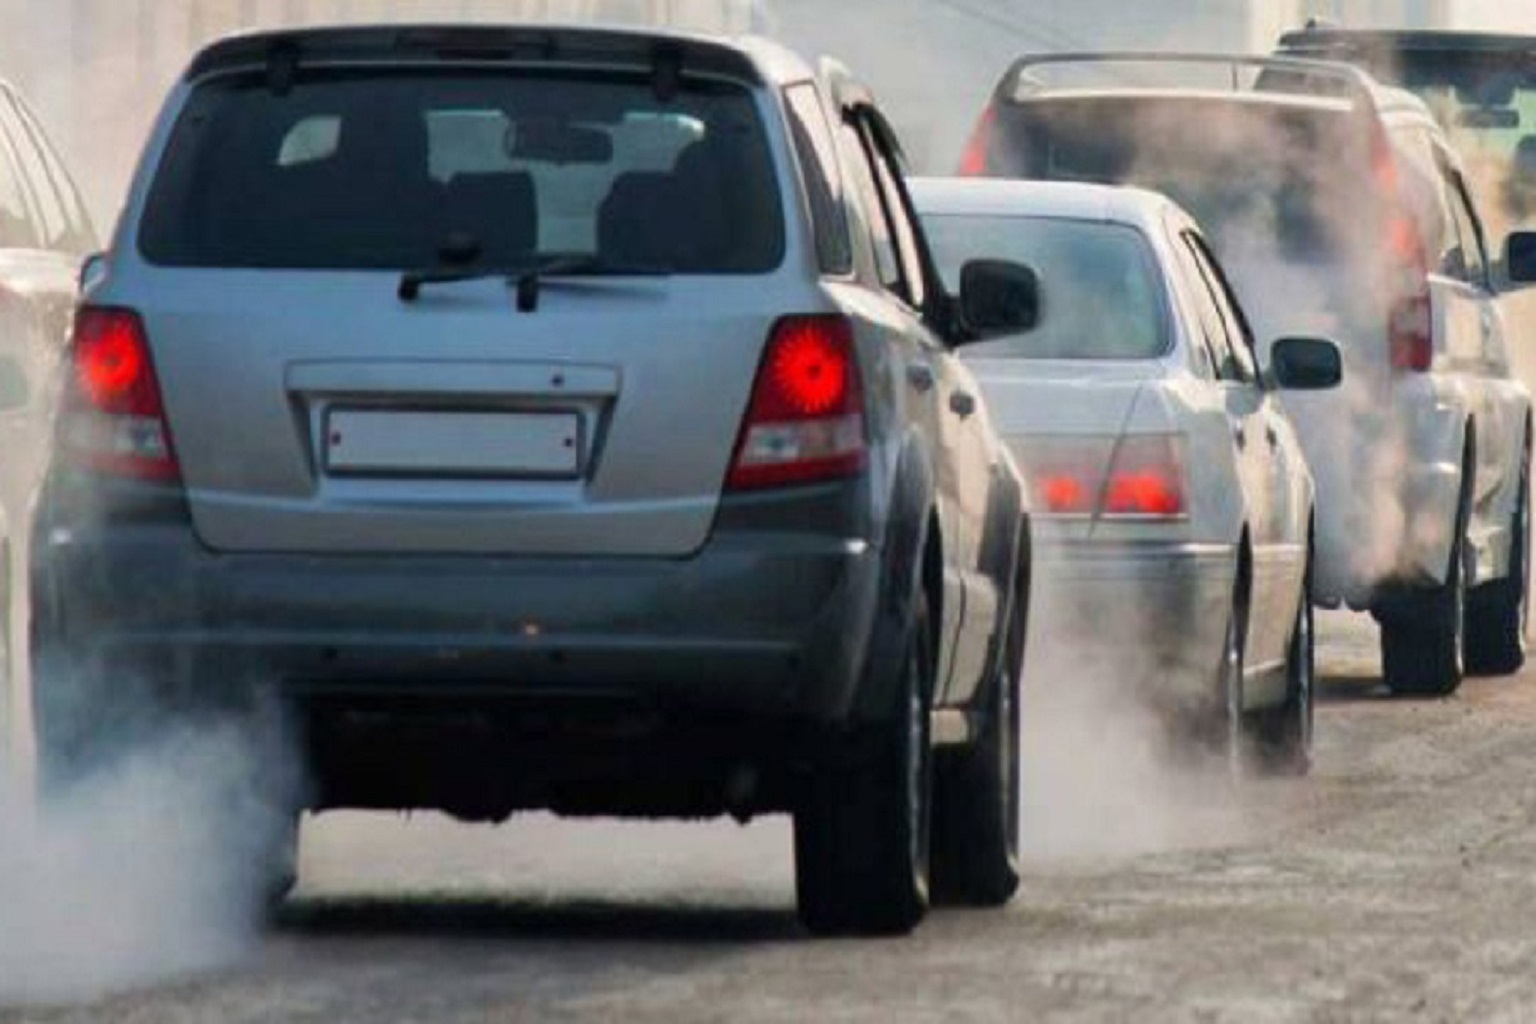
{"x":1341,"y":211}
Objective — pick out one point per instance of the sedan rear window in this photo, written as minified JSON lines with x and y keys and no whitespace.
{"x":1099,"y":292}
{"x":370,"y":171}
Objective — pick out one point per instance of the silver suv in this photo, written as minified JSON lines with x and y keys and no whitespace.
{"x":555,"y":419}
{"x":1341,"y":211}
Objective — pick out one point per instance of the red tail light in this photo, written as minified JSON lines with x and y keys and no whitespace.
{"x":1146,"y":479}
{"x":1410,"y":319}
{"x":113,"y":419}
{"x":806,"y":421}
{"x":1411,"y":334}
{"x":1063,"y":493}
{"x":973,"y":163}
{"x":1141,"y":477}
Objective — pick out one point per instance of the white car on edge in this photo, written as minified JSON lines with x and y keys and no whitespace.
{"x":1173,"y":507}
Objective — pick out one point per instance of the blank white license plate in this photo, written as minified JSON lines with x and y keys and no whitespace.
{"x":454,"y":443}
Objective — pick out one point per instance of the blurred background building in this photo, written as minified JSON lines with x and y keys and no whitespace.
{"x":96,"y":69}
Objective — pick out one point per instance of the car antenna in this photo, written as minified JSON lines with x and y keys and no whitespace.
{"x":282,"y":66}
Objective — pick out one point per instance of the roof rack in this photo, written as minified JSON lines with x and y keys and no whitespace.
{"x":1305,"y":77}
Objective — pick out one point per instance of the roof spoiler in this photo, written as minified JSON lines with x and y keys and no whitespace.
{"x":1283,"y":75}
{"x":667,"y":56}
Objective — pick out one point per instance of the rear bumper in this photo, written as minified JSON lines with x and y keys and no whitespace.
{"x":1148,"y":619}
{"x":1388,"y":482}
{"x":756,"y":624}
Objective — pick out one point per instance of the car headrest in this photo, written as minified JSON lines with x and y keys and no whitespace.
{"x":638,"y":223}
{"x":498,"y":209}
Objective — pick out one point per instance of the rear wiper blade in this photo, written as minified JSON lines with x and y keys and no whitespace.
{"x":530,"y":280}
{"x":526,"y":279}
{"x":413,"y":281}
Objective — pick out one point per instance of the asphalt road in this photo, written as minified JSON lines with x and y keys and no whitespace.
{"x":1399,"y":882}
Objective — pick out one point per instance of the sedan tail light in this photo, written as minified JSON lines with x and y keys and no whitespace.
{"x":805,"y":423}
{"x":1066,"y":474}
{"x":1137,"y":477}
{"x":1146,"y":480}
{"x":113,"y":418}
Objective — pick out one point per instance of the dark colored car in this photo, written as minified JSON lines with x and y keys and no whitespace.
{"x":555,"y":419}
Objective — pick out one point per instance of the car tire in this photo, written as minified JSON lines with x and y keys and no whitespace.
{"x":1497,"y":612}
{"x":1423,"y":632}
{"x":863,"y":826}
{"x":977,"y":800}
{"x":1282,"y":737}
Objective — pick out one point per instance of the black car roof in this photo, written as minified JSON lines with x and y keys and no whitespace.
{"x":1312,"y":40}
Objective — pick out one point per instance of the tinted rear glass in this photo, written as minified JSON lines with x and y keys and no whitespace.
{"x":1487,"y":101}
{"x":1099,"y":293}
{"x":1248,"y":172}
{"x":383,"y":171}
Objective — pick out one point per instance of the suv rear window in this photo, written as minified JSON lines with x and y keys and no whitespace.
{"x":1488,"y":104}
{"x":352,"y":170}
{"x":1245,"y":170}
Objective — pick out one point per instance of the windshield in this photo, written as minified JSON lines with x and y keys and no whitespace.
{"x":389,"y":171}
{"x":1099,"y":295}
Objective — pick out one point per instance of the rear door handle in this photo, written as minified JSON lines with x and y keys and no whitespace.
{"x":920,"y":376}
{"x":1272,"y":437}
{"x":963,"y":404}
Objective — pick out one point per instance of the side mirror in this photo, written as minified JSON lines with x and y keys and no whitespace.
{"x":1520,"y":258}
{"x":998,"y":297}
{"x":1305,"y":364}
{"x":13,"y":385}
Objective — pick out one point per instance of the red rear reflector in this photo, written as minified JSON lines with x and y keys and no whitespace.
{"x":805,"y":423}
{"x":113,"y":419}
{"x":973,"y":163}
{"x":1147,"y":479}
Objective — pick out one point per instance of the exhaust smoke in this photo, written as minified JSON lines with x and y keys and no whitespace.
{"x":1108,"y":771}
{"x":152,"y":871}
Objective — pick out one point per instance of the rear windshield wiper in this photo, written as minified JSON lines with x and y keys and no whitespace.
{"x":528,"y":279}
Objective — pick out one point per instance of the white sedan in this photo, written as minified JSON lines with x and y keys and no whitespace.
{"x":1173,"y":508}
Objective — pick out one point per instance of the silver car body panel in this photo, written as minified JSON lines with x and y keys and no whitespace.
{"x":238,"y":352}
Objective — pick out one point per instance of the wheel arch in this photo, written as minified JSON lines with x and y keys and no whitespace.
{"x":912,"y":565}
